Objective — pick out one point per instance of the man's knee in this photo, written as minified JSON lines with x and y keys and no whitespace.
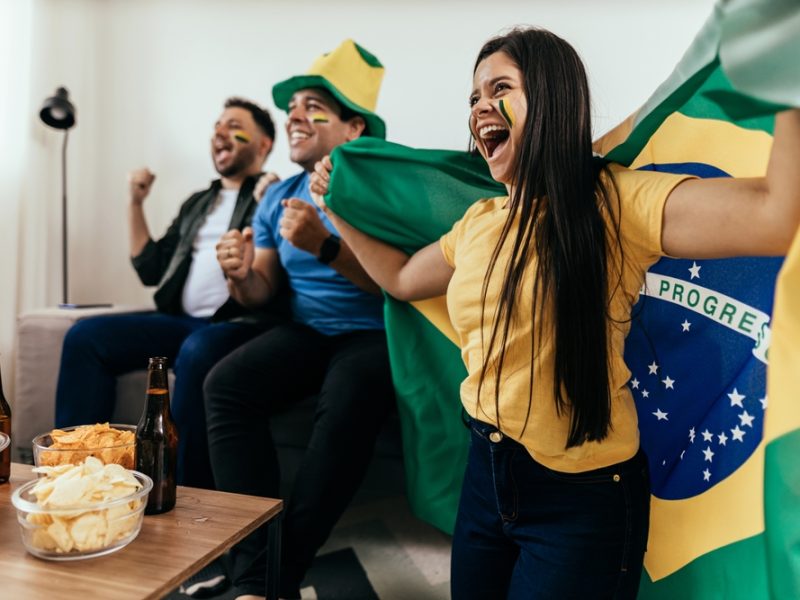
{"x":222,"y":376}
{"x":197,"y":355}
{"x":82,"y":335}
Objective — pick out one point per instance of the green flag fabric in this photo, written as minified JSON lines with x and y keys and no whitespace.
{"x":409,"y":198}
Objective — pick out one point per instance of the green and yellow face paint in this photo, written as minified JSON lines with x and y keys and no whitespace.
{"x":241,"y":136}
{"x":319,"y":117}
{"x":507,"y":112}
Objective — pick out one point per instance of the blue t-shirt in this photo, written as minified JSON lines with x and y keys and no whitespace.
{"x":321,"y":297}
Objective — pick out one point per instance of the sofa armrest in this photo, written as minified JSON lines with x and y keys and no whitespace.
{"x":40,"y":335}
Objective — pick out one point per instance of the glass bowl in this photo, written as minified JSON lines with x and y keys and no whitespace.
{"x":4,"y":441}
{"x":84,"y":530}
{"x":108,"y":452}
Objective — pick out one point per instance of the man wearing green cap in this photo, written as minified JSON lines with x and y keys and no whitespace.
{"x":335,"y":346}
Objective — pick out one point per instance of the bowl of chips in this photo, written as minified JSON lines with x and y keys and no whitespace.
{"x":111,"y":444}
{"x":80,"y":511}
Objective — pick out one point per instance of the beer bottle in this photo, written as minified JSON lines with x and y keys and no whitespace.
{"x":5,"y":427}
{"x":157,"y":440}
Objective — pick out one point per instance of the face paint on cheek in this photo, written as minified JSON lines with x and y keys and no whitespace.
{"x":507,"y":112}
{"x":241,"y":136}
{"x":319,"y":118}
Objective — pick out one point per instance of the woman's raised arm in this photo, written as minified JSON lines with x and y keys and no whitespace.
{"x":715,"y":218}
{"x":425,"y":274}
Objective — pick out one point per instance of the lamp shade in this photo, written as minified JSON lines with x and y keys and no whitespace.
{"x":57,"y":111}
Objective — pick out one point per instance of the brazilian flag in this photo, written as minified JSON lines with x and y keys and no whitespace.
{"x":714,"y":375}
{"x":711,"y":372}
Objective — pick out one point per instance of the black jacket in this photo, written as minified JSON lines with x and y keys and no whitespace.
{"x":166,"y":262}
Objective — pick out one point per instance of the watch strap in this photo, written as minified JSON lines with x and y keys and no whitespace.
{"x":329,"y":249}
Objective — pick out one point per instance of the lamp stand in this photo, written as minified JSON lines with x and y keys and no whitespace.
{"x":64,"y":262}
{"x":59,"y":113}
{"x":64,"y":237}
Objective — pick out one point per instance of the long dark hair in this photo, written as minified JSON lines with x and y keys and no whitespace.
{"x":555,"y":219}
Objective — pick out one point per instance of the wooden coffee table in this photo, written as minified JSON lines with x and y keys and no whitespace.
{"x":168,"y":550}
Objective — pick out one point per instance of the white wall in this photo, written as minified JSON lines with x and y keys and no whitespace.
{"x":149,"y":78}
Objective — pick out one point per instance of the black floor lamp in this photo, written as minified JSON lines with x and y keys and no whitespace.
{"x":59,"y":113}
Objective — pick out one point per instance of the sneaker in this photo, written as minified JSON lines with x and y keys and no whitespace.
{"x":209,"y":581}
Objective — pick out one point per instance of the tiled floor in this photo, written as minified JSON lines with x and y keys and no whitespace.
{"x":378,"y":551}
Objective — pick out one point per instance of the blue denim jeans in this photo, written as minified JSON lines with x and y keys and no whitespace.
{"x":526,"y":531}
{"x":98,"y":349}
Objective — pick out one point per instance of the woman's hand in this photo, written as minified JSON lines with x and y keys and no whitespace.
{"x":320,"y":179}
{"x":266,"y":180}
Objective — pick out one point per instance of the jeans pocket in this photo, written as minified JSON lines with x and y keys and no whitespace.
{"x":604,"y":475}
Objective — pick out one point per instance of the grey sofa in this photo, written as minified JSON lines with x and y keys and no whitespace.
{"x":40,"y":334}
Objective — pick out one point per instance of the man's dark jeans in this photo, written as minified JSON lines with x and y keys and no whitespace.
{"x":351,"y":377}
{"x":524,"y":531}
{"x":99,"y":349}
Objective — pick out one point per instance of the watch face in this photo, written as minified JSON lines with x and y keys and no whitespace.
{"x":329,"y":249}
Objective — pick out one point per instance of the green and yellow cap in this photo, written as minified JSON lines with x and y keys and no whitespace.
{"x":350,"y":74}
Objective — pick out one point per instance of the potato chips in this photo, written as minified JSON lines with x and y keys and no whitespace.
{"x":73,"y":446}
{"x":72,"y":519}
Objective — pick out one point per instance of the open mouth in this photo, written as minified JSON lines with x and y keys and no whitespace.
{"x":493,"y":137}
{"x":222,"y":153}
{"x":297,"y":136}
{"x":222,"y":148}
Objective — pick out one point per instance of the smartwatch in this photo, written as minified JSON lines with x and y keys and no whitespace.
{"x":329,"y":249}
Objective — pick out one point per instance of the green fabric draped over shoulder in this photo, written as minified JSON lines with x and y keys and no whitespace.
{"x":409,"y":198}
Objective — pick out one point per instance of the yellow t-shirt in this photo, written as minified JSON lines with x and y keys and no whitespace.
{"x":468,"y":249}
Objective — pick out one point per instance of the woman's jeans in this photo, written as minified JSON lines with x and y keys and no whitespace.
{"x":526,"y":531}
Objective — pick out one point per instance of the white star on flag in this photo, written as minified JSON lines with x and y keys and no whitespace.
{"x":707,"y":435}
{"x":746,"y":419}
{"x":668,"y":383}
{"x":706,"y":475}
{"x":736,"y":398}
{"x":661,"y":416}
{"x":645,"y":394}
{"x":686,"y":325}
{"x":695,"y":271}
{"x":763,"y":403}
{"x":653,"y":368}
{"x":635,"y":383}
{"x":709,"y":454}
{"x":738,"y":434}
{"x":682,"y":453}
{"x":691,"y":435}
{"x":722,"y":438}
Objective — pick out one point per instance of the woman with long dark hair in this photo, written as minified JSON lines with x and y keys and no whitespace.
{"x":540,"y":285}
